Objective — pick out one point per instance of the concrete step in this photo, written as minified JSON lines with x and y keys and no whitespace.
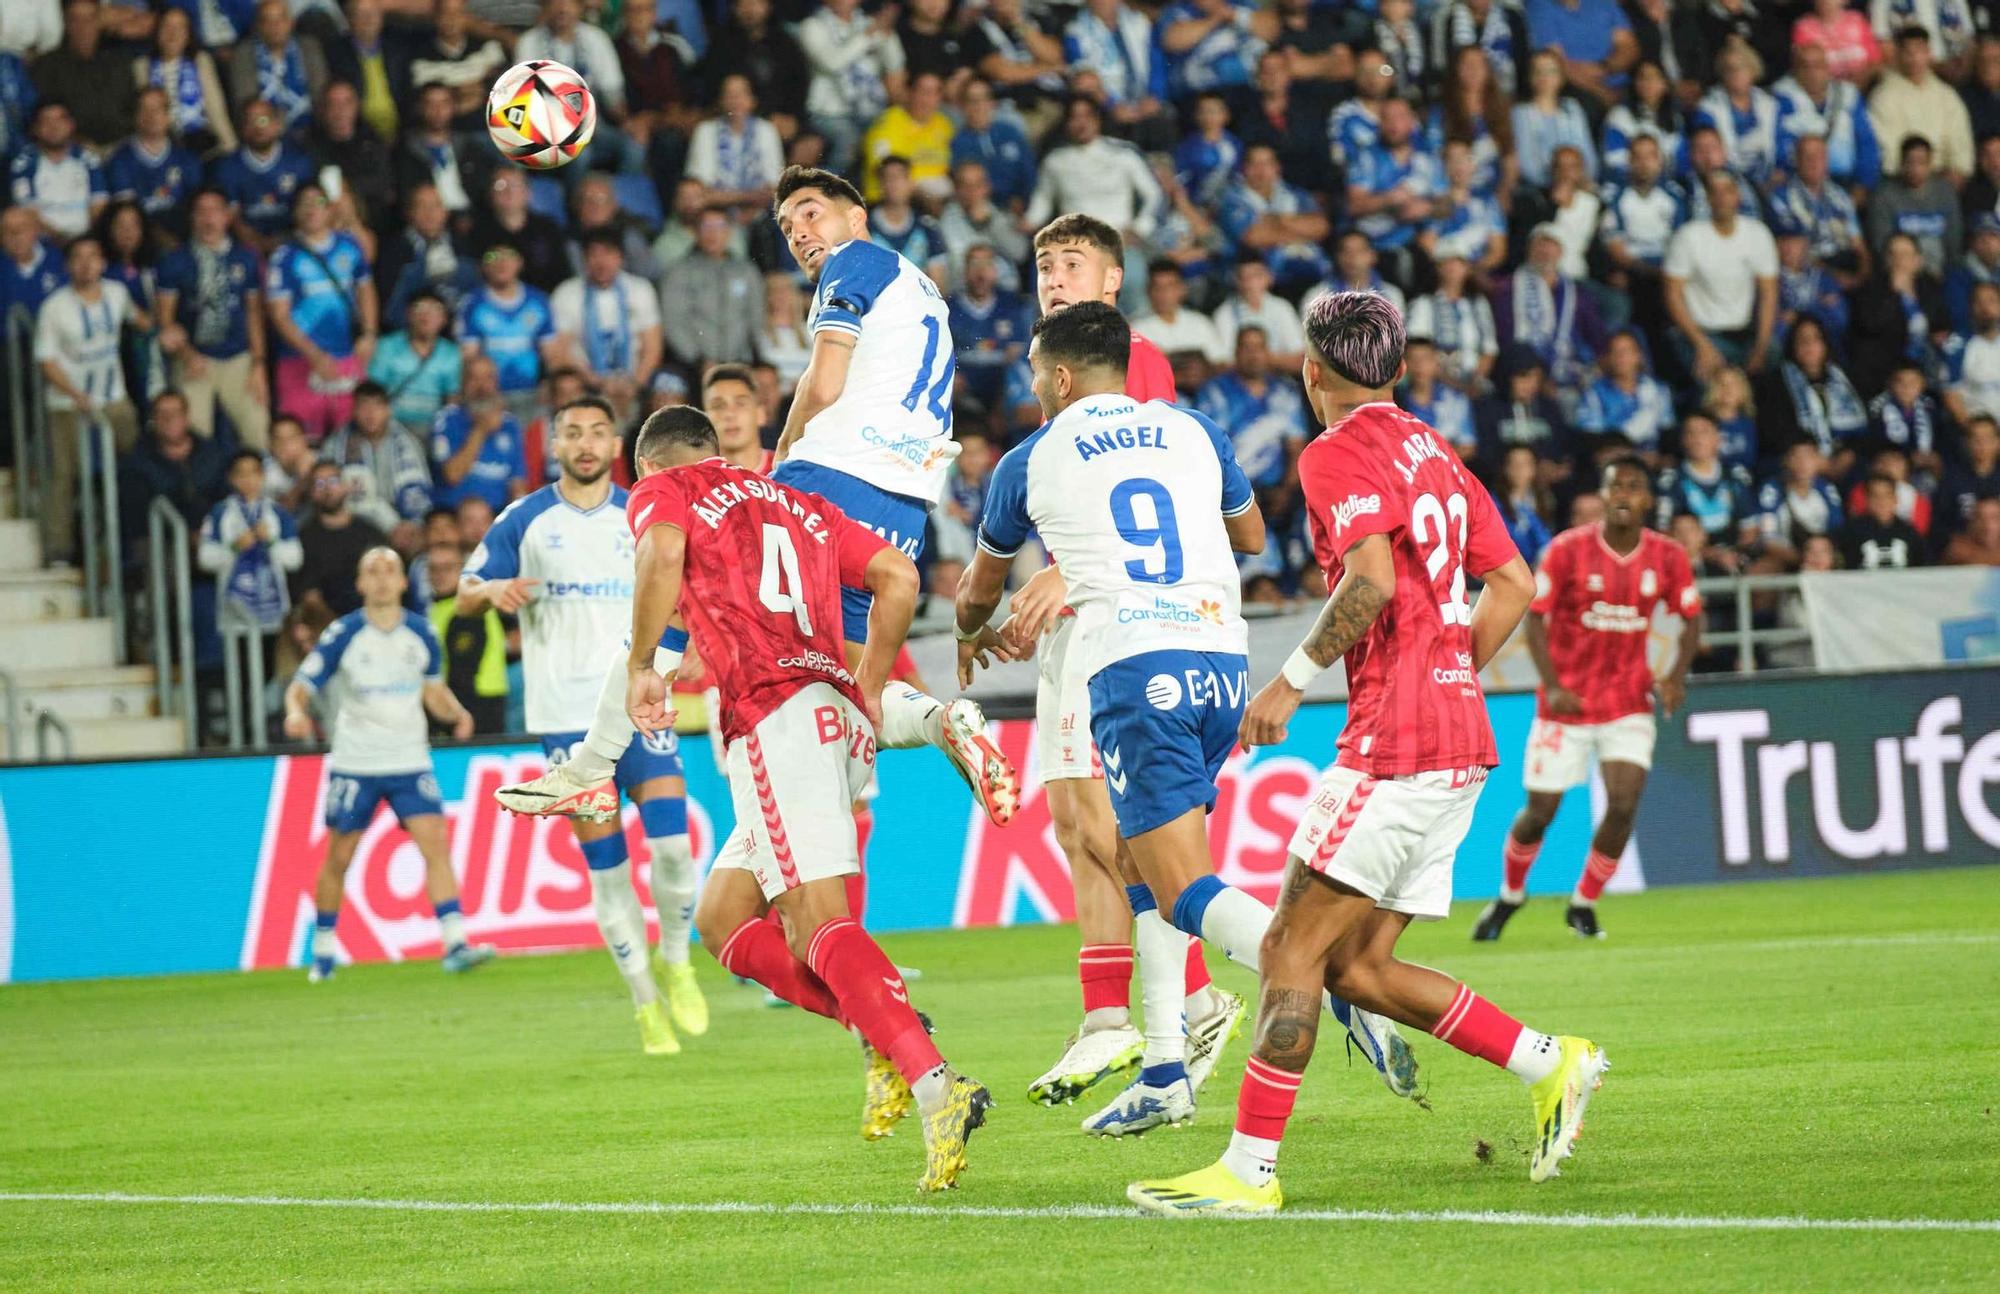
{"x":124,"y":691}
{"x":20,"y":545}
{"x":40,"y":595}
{"x":6,"y":493}
{"x":109,"y":738}
{"x":57,"y":645}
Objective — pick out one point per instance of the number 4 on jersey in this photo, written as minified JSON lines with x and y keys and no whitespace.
{"x":778,"y":586}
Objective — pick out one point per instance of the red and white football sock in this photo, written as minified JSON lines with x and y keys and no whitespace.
{"x":1515,"y":860}
{"x":1199,"y":1001}
{"x":1263,"y":1105}
{"x":1478,"y":1028}
{"x":1105,"y":972}
{"x":758,"y":951}
{"x":1598,"y":870}
{"x":872,"y":996}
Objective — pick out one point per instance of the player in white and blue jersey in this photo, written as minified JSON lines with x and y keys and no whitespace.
{"x":561,"y":559}
{"x":1143,"y":508}
{"x":378,"y":671}
{"x":870,"y":431}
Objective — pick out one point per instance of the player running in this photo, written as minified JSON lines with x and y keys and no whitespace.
{"x":559,"y":559}
{"x":763,"y":567}
{"x":1143,"y":508}
{"x":1081,"y":258}
{"x":1397,"y":526}
{"x":869,"y":431}
{"x":379,"y":671}
{"x":1587,"y":632}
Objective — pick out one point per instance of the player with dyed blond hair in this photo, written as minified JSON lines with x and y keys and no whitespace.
{"x":1398,"y":526}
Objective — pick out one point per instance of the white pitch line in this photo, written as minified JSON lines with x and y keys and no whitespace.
{"x":651,"y":1208}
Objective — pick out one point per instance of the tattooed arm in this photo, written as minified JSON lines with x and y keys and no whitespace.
{"x":1366,"y":587}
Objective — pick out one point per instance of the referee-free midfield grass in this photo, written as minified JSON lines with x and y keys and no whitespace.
{"x":1805,"y":1050}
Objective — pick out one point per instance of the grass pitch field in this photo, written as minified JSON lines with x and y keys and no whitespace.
{"x":1824,"y":1050}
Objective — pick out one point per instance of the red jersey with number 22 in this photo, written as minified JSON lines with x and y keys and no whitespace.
{"x":1414,"y":702}
{"x":1599,"y":610}
{"x":760,"y":587}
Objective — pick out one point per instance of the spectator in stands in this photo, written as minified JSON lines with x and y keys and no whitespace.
{"x":1720,"y":497}
{"x":176,"y":64}
{"x":513,"y":323}
{"x":1290,"y":121}
{"x":957,"y":520}
{"x":261,"y":179}
{"x":783,"y":342}
{"x":1458,"y":320}
{"x":1168,"y":322}
{"x":211,"y":316}
{"x":1469,"y":225}
{"x":713,"y":297}
{"x":563,"y":36}
{"x":90,"y":75}
{"x":174,"y":464}
{"x":477,"y":443}
{"x":1594,"y":40}
{"x":1972,"y":360}
{"x":339,"y":138}
{"x":972,"y":217}
{"x":752,"y":44}
{"x":1574,"y":208}
{"x":425,"y":257}
{"x":1804,"y":288}
{"x":1355,"y":270}
{"x":462,"y":61}
{"x":1426,"y":394}
{"x":248,"y":543}
{"x":387,"y":471}
{"x":895,"y":222}
{"x":536,"y":239}
{"x":996,"y":143}
{"x":323,"y":307}
{"x":1812,"y":104}
{"x":1912,"y":503}
{"x":149,"y":168}
{"x":280,"y":66}
{"x":857,"y":70}
{"x":1625,"y":401}
{"x":1743,"y":113}
{"x":1969,"y":476}
{"x":609,"y":322}
{"x":30,"y":269}
{"x":1722,"y":285}
{"x":1209,"y":45}
{"x":1730,"y":404}
{"x":664,"y":96}
{"x":1254,"y":305}
{"x":1544,"y":308}
{"x":1904,"y":418}
{"x":1547,"y":120}
{"x":333,"y":539}
{"x":1117,"y":43}
{"x":1402,"y":44}
{"x":1264,"y":415}
{"x":378,"y":68}
{"x":474,"y":646}
{"x":418,"y":365}
{"x":1183,"y":232}
{"x":1878,"y":538}
{"x":920,"y":133}
{"x":1917,"y":202}
{"x":1521,"y":412}
{"x":1799,"y":503}
{"x":1814,"y":204}
{"x":76,"y":345}
{"x":1648,"y":111}
{"x":1810,"y":395}
{"x":1355,"y":125}
{"x":1526,"y":504}
{"x":1844,"y":34}
{"x":1980,"y":264}
{"x":989,"y":328}
{"x":55,"y":177}
{"x":1898,"y":314}
{"x":1207,"y":159}
{"x":1979,"y":543}
{"x":1493,"y":27}
{"x":432,"y":151}
{"x":1262,"y":213}
{"x":738,"y":154}
{"x":1640,"y":216}
{"x":1089,"y":172}
{"x":475,"y":518}
{"x":288,"y":466}
{"x":598,"y":212}
{"x":1914,"y":100}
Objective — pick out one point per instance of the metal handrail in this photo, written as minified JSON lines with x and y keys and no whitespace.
{"x":20,"y":338}
{"x":47,"y":721}
{"x":249,"y":639}
{"x":167,"y":542}
{"x":1744,"y":636}
{"x":10,"y":705}
{"x":103,"y":566}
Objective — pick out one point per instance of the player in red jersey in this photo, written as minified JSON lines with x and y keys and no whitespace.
{"x":1587,"y":632}
{"x":1398,"y":526}
{"x":762,"y":567}
{"x":1081,"y":258}
{"x":729,"y":398}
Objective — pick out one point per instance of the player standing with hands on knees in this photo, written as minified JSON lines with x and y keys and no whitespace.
{"x":380,"y":670}
{"x":1588,"y":629}
{"x":1398,"y":526}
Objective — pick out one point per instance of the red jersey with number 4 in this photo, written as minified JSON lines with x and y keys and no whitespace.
{"x":1148,"y":375}
{"x":1599,"y":611}
{"x":760,"y":587}
{"x":1414,"y":702}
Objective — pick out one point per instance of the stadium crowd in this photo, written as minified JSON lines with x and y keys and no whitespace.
{"x":1757,"y":244}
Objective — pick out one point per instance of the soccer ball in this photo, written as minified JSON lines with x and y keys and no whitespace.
{"x":540,"y":114}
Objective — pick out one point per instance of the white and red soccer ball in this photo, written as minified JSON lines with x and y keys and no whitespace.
{"x":540,"y":114}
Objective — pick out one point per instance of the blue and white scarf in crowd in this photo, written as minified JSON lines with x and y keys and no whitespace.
{"x":253,"y":590}
{"x":1828,"y":410}
{"x":609,"y":349}
{"x":1545,"y":318}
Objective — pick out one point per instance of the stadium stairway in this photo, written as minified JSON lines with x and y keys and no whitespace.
{"x":66,"y":663}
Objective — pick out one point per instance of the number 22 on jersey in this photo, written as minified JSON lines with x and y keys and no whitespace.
{"x":1431,"y":524}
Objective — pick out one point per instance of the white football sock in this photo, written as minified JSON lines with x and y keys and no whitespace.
{"x":1254,"y":1160}
{"x":451,"y":927}
{"x":322,"y":942}
{"x":910,"y":718}
{"x":1235,"y":923}
{"x":622,"y":922}
{"x":1162,"y":987}
{"x":675,"y":880}
{"x":1106,"y":1017}
{"x":594,"y":758}
{"x":931,"y":1088}
{"x":1535,"y":1056}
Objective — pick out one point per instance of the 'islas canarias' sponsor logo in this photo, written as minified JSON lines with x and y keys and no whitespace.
{"x":921,"y":452}
{"x":1613,"y":618}
{"x":817,"y":661}
{"x":1172,"y":611}
{"x":1458,"y":674}
{"x":1354,"y":505}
